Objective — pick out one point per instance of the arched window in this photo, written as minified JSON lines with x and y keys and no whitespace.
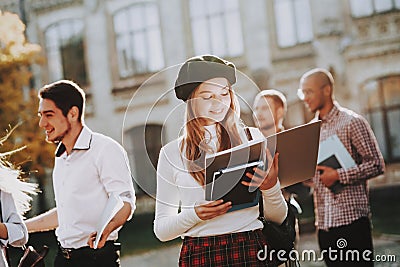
{"x":143,"y":148}
{"x":65,"y":51}
{"x":382,"y":108}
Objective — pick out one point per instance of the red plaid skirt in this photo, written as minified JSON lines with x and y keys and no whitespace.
{"x":236,"y":249}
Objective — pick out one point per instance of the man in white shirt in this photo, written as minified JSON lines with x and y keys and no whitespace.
{"x":88,"y":168}
{"x":270,"y":108}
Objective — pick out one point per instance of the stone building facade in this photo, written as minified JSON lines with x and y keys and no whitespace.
{"x":122,"y":52}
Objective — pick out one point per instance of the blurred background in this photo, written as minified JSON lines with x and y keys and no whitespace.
{"x":112,"y":47}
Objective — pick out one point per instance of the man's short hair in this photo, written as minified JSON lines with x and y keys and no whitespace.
{"x":319,"y":71}
{"x":275,"y":95}
{"x":65,"y":94}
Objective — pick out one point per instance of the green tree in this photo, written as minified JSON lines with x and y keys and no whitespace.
{"x":19,"y":102}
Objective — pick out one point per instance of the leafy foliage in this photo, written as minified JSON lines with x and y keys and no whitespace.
{"x":19,"y":102}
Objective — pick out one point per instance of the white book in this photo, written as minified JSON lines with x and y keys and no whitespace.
{"x":113,"y":205}
{"x":332,"y":146}
{"x":236,"y":148}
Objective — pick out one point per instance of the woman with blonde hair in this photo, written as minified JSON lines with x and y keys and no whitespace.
{"x":212,"y":234}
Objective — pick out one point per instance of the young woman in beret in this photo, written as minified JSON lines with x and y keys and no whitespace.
{"x":212,"y":236}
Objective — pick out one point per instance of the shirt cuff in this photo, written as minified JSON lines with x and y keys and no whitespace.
{"x":272,"y":191}
{"x":275,"y":207}
{"x":131,"y":199}
{"x":343,"y":178}
{"x":15,"y":234}
{"x":192,"y":216}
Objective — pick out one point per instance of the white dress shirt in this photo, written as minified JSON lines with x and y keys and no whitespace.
{"x":96,"y":167}
{"x":178,"y":193}
{"x":16,"y":229}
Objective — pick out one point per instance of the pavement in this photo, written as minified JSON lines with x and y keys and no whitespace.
{"x":385,"y":247}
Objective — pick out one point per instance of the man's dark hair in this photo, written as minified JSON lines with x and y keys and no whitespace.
{"x":65,"y":95}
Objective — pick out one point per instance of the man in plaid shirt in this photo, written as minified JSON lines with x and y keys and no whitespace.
{"x":342,"y":216}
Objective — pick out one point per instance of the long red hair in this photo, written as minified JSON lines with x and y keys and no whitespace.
{"x":194,"y":146}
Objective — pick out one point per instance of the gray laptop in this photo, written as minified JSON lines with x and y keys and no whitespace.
{"x":298,"y":152}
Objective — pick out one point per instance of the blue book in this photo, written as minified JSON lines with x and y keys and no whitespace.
{"x":226,"y":170}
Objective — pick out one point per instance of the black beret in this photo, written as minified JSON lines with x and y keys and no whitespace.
{"x":199,"y":69}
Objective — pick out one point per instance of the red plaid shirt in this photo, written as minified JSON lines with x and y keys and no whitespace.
{"x":333,"y":210}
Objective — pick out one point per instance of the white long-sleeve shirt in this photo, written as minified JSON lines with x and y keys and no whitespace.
{"x":96,"y":167}
{"x":16,"y":229}
{"x":178,"y":193}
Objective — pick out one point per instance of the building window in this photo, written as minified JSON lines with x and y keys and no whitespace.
{"x":65,"y":51}
{"x":216,"y":27}
{"x":293,"y":22}
{"x":143,"y":150}
{"x":382,"y":97}
{"x":138,"y":40}
{"x":362,"y":8}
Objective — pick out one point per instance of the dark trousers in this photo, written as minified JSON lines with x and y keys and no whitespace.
{"x":348,"y":245}
{"x":107,"y":256}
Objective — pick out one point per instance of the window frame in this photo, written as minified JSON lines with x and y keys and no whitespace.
{"x":374,"y":11}
{"x":295,"y":25}
{"x":222,"y":15}
{"x":51,"y":49}
{"x":144,"y":31}
{"x":384,"y":110}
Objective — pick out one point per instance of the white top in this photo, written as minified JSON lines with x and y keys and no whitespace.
{"x":96,"y":167}
{"x":177,"y":188}
{"x":16,"y":229}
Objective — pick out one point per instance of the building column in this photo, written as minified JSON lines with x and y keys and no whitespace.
{"x":99,"y":69}
{"x":256,"y":41}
